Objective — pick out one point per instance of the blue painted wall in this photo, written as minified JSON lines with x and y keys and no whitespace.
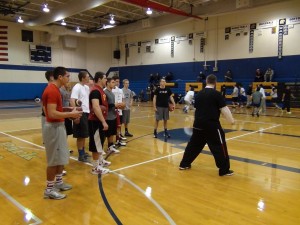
{"x":286,"y":70}
{"x":25,"y":91}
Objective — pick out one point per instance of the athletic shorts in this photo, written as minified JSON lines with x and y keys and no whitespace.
{"x":81,"y":130}
{"x":274,"y":100}
{"x":126,"y":116}
{"x":55,"y":140}
{"x":235,"y":99}
{"x":69,"y":126}
{"x":97,"y":136}
{"x":112,"y":128}
{"x":162,"y":113}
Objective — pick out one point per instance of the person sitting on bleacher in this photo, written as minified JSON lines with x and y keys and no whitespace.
{"x":269,"y":75}
{"x":258,"y":76}
{"x":228,"y":76}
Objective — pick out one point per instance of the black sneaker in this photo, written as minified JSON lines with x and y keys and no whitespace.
{"x":155,"y":135}
{"x":257,"y":114}
{"x":167,"y":135}
{"x":127,"y":134}
{"x":229,"y":173}
{"x":184,"y":167}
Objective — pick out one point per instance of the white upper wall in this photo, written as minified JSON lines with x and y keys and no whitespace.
{"x":96,"y":54}
{"x":217,"y":48}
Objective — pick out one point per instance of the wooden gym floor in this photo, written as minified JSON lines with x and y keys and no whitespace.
{"x":145,"y":185}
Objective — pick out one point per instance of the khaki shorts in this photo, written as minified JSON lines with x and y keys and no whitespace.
{"x":55,"y":140}
{"x":162,"y":113}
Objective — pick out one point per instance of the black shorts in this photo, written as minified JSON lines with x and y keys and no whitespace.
{"x":69,"y":126}
{"x":81,"y":130}
{"x":97,"y":136}
{"x":274,"y":100}
{"x":112,"y":128}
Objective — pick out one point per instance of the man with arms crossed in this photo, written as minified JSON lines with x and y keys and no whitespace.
{"x":54,"y":133}
{"x":81,"y":92}
{"x":207,"y":128}
{"x":161,"y":98}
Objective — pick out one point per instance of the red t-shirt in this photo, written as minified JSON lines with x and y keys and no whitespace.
{"x":52,"y":95}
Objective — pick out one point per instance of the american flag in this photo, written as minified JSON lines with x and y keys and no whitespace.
{"x":3,"y":43}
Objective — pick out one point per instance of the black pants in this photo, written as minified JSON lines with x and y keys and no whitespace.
{"x":287,"y":105}
{"x":215,"y":138}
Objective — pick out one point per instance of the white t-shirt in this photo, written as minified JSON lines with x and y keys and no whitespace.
{"x":189,"y":96}
{"x":242,"y":91}
{"x":261,"y":90}
{"x":235,"y":92}
{"x":274,"y":92}
{"x":82,"y":92}
{"x":119,"y":96}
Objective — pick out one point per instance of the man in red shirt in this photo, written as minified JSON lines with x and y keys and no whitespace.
{"x":54,"y":134}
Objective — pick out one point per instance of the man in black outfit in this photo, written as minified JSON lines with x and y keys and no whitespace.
{"x":207,"y":128}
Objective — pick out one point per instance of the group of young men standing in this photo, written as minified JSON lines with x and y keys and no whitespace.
{"x":99,"y":119}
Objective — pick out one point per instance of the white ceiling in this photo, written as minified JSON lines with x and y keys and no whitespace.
{"x":91,"y":15}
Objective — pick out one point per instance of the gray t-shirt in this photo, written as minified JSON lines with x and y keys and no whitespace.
{"x":128,"y":95}
{"x":256,"y":97}
{"x":111,"y":113}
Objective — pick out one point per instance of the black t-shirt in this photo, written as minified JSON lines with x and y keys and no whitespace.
{"x":162,"y":96}
{"x":208,"y":103}
{"x":95,"y":94}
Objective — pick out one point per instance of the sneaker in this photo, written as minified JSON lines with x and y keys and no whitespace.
{"x":127,"y":134}
{"x":99,"y":170}
{"x":288,"y":112}
{"x":155,"y":135}
{"x":63,"y":187}
{"x":105,"y":163}
{"x":252,"y":114}
{"x":185,"y":167}
{"x":111,"y":149}
{"x":53,"y":194}
{"x":229,"y":173}
{"x":121,"y":143}
{"x":71,"y":151}
{"x":64,"y":172}
{"x":82,"y":158}
{"x":257,"y":114}
{"x":167,"y":135}
{"x":122,"y":137}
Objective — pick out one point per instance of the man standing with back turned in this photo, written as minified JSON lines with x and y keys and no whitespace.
{"x":207,"y":128}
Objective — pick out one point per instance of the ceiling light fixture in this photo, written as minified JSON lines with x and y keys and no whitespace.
{"x":20,"y":20}
{"x":149,"y":11}
{"x":63,"y":23}
{"x":78,"y":30}
{"x":45,"y":8}
{"x":112,"y":21}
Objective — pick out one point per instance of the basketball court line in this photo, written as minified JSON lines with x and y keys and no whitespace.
{"x":28,"y":214}
{"x":130,"y":182}
{"x":165,"y":214}
{"x":279,"y":146}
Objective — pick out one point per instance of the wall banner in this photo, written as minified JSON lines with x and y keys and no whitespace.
{"x":267,"y":24}
{"x":282,"y":23}
{"x":293,"y":20}
{"x":251,"y":40}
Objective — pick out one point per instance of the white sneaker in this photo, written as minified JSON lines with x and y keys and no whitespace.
{"x":120,"y":143}
{"x":122,"y":138}
{"x":288,"y":112}
{"x":105,"y":163}
{"x":111,"y":149}
{"x":54,"y":194}
{"x":99,"y":170}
